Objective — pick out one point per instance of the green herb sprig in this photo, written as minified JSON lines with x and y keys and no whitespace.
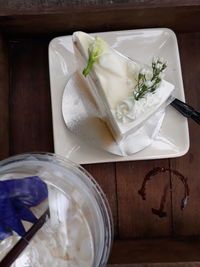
{"x":149,"y":81}
{"x":95,"y":50}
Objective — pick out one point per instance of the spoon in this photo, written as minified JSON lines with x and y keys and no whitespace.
{"x":186,"y":110}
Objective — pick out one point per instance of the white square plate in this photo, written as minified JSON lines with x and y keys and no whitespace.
{"x":141,"y":45}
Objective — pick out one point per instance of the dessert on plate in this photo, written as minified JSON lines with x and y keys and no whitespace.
{"x":126,"y":92}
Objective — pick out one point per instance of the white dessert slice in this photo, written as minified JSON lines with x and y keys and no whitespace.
{"x":112,"y":81}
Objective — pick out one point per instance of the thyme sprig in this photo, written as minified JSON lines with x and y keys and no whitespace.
{"x":148,"y":81}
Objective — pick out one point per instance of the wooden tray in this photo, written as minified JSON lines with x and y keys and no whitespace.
{"x":26,"y":124}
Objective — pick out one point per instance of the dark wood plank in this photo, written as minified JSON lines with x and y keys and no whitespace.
{"x":188,"y":222}
{"x":155,"y":251}
{"x":30,"y":105}
{"x":64,"y":20}
{"x":177,"y":264}
{"x":4,"y":95}
{"x":135,"y":216}
{"x":104,"y":174}
{"x":24,"y":4}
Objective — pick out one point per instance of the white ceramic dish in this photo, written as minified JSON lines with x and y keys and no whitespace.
{"x":142,"y":45}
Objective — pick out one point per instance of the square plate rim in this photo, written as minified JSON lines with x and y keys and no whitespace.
{"x":124,"y":158}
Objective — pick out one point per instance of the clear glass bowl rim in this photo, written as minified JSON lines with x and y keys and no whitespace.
{"x":68,"y":163}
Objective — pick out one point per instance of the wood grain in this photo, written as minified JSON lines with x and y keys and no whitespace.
{"x":135,"y":216}
{"x":154,"y":251}
{"x":114,"y":17}
{"x":187,"y":222}
{"x":177,"y":264}
{"x":4,"y":96}
{"x":104,"y":174}
{"x":30,"y":104}
{"x":31,"y":129}
{"x":25,"y":4}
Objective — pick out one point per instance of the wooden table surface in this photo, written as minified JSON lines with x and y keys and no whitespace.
{"x":26,"y":125}
{"x":30,"y":4}
{"x":180,"y":264}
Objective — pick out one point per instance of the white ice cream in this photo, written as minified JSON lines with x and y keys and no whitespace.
{"x":64,"y":240}
{"x":111,"y":82}
{"x":79,"y":230}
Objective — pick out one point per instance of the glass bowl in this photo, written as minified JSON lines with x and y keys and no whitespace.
{"x":80,"y":229}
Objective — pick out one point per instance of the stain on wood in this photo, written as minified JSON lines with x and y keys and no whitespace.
{"x":136,"y":219}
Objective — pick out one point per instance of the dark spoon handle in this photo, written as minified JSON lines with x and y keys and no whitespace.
{"x":186,"y":110}
{"x":14,"y":253}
